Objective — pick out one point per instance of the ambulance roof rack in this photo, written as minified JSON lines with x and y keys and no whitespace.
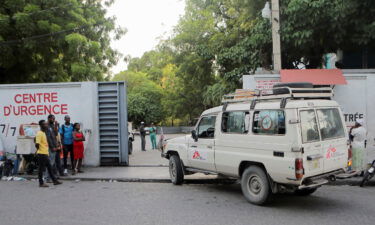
{"x":281,"y":93}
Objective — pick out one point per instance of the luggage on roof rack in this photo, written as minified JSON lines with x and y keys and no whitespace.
{"x":283,"y":91}
{"x":240,"y":95}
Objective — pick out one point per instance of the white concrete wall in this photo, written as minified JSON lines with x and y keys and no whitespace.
{"x":79,"y":100}
{"x":357,"y":99}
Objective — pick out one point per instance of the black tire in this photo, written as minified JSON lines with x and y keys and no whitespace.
{"x":366,"y":178}
{"x":290,"y":85}
{"x":255,"y":186}
{"x":130,"y":147}
{"x":175,"y":170}
{"x":305,"y":192}
{"x":294,"y":85}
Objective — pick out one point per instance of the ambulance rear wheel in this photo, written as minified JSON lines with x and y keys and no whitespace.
{"x":255,"y":186}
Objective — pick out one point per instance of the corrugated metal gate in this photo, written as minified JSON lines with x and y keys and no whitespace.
{"x":113,"y":126}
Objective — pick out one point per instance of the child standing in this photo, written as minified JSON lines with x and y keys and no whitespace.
{"x":78,"y":148}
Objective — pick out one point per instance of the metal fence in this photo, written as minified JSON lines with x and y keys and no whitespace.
{"x":175,"y":130}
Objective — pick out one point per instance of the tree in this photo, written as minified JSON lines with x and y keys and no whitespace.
{"x":55,"y":40}
{"x":229,"y":36}
{"x":182,"y":77}
{"x":171,"y":86}
{"x":144,"y":97}
{"x":217,"y":41}
{"x":234,"y":37}
{"x":153,"y":62}
{"x":195,"y":74}
{"x":325,"y":26}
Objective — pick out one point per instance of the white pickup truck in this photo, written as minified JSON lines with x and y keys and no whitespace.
{"x":291,"y":141}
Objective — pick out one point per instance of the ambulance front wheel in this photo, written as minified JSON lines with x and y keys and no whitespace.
{"x":175,"y":170}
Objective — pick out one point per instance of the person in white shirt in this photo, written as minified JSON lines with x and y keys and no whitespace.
{"x":358,"y":135}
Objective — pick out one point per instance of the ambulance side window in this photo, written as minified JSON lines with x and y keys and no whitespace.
{"x":235,"y":122}
{"x":269,"y":122}
{"x":330,"y":123}
{"x":309,"y":126}
{"x":206,"y":127}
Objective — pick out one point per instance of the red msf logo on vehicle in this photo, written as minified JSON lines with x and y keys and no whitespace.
{"x":330,"y":152}
{"x":198,"y":156}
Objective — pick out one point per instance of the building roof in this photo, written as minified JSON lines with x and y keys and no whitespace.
{"x":314,"y":76}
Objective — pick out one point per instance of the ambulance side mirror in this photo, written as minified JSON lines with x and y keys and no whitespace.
{"x":194,"y":135}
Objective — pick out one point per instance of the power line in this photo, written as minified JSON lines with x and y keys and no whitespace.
{"x":53,"y":34}
{"x":49,"y":9}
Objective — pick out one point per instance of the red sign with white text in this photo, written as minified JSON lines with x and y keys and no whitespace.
{"x":31,"y":104}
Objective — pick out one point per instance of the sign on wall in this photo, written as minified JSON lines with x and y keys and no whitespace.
{"x":28,"y":105}
{"x":266,"y":85}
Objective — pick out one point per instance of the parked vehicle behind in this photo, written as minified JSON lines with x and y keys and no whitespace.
{"x":130,"y":142}
{"x":291,"y":141}
{"x":130,"y":138}
{"x":368,"y":174}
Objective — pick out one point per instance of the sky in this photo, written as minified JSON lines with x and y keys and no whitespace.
{"x":146,"y":21}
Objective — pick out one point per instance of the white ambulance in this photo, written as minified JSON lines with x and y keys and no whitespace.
{"x":293,"y":140}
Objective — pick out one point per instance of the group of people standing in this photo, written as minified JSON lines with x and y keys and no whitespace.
{"x":152,"y":130}
{"x":50,"y":141}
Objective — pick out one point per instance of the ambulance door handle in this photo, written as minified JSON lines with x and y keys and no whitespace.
{"x":209,"y":146}
{"x":317,"y":146}
{"x":313,"y":157}
{"x":193,"y":146}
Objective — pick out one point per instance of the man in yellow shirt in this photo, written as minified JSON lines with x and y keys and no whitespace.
{"x":41,"y":145}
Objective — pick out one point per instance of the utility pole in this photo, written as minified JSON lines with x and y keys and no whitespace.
{"x":276,"y":47}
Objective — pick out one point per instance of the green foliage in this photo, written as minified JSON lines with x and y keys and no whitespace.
{"x":182,"y":77}
{"x":152,"y":63}
{"x":195,"y":74}
{"x":230,"y":37}
{"x":214,"y":93}
{"x":79,"y":51}
{"x":325,"y":26}
{"x":144,"y":97}
{"x":234,"y":38}
{"x":217,"y":41}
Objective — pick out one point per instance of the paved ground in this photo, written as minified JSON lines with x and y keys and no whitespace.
{"x":23,"y":203}
{"x":128,"y":174}
{"x":150,"y":157}
{"x":146,"y":166}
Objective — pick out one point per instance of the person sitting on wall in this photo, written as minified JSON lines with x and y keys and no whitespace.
{"x":42,"y":153}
